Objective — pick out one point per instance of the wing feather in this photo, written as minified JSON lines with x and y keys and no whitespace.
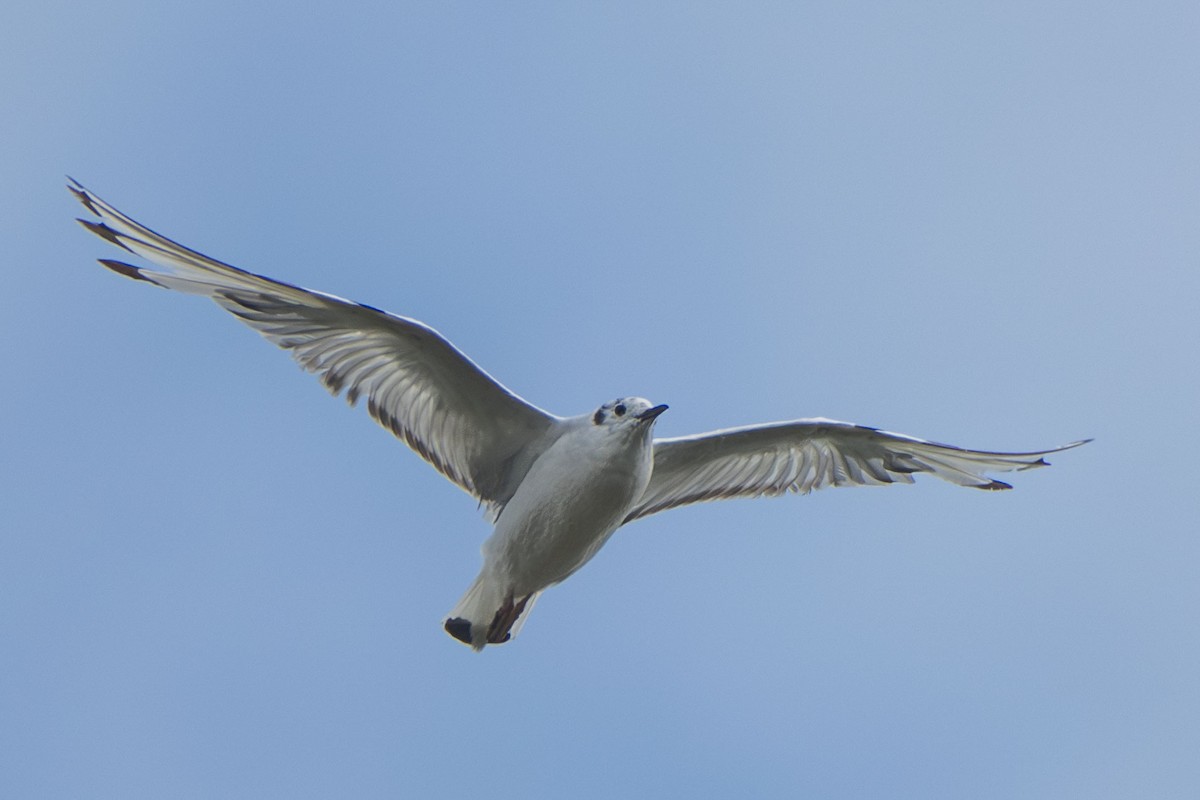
{"x":808,"y":454}
{"x":417,"y":384}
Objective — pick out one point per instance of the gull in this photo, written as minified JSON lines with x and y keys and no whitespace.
{"x":555,"y":488}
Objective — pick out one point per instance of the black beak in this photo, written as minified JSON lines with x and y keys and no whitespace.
{"x":650,"y":414}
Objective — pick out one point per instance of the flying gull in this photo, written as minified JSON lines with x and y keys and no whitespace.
{"x":555,"y":488}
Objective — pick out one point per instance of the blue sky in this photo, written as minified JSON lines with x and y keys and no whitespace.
{"x":971,"y":224}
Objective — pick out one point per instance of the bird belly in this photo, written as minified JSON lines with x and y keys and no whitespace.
{"x":558,"y":519}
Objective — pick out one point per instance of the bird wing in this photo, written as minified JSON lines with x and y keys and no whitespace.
{"x":416,"y":383}
{"x":807,"y":454}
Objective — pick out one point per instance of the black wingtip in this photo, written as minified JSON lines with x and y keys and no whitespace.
{"x":995,"y":486}
{"x":1041,"y":462}
{"x":82,"y":195}
{"x":104,"y":232}
{"x":128,"y":270}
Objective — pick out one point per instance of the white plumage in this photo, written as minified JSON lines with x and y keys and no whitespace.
{"x":556,"y":488}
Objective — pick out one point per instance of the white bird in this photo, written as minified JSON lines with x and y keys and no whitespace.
{"x":556,"y":488}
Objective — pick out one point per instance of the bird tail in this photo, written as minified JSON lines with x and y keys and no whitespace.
{"x":487,"y":614}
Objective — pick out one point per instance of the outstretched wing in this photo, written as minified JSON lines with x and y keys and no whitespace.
{"x":416,"y":383}
{"x":807,"y":454}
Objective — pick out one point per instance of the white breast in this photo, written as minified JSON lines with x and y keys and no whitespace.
{"x":573,"y":498}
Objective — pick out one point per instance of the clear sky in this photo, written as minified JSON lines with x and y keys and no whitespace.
{"x":976,"y":224}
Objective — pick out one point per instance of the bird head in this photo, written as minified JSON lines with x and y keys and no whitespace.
{"x":627,"y":411}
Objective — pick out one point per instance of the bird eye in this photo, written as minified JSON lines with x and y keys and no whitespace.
{"x":620,"y":409}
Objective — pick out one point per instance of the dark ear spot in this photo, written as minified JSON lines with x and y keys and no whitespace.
{"x":598,"y":417}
